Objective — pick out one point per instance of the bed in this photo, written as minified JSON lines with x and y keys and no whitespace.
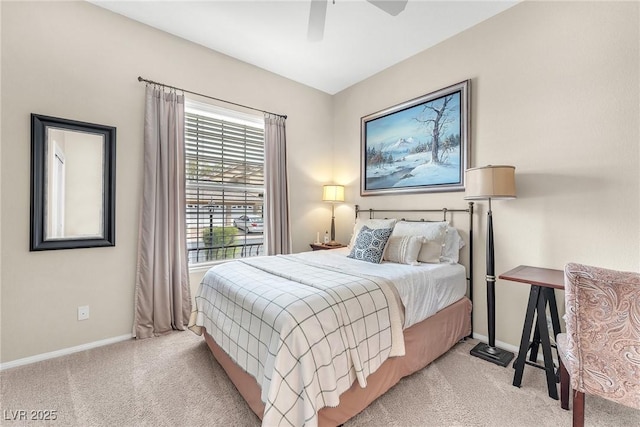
{"x":313,"y":338}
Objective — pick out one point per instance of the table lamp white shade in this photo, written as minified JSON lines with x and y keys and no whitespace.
{"x":333,"y":193}
{"x":490,"y":182}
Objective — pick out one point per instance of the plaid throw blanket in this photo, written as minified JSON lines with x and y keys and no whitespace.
{"x":305,"y":332}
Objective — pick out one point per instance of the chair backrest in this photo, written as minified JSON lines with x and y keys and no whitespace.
{"x":603,"y":332}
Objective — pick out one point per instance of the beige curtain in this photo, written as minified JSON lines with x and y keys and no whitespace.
{"x":162,"y":298}
{"x":276,"y":199}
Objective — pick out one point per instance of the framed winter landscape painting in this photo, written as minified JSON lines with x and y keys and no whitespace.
{"x":421,"y":145}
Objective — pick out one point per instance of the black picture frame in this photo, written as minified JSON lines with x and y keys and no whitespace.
{"x":40,"y":126}
{"x":397,"y":144}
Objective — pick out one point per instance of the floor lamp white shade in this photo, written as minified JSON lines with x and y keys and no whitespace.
{"x":486,"y":183}
{"x":490,"y":182}
{"x":333,"y":194}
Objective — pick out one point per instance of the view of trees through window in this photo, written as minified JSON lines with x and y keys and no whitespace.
{"x":224,"y":168}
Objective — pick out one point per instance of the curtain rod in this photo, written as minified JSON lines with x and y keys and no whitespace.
{"x":141,"y":79}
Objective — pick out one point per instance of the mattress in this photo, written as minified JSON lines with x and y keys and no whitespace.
{"x":424,"y":289}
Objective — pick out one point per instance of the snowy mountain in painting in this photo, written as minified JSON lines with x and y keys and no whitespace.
{"x":401,"y":146}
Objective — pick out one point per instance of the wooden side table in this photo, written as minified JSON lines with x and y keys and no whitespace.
{"x":324,"y":247}
{"x":543,"y":281}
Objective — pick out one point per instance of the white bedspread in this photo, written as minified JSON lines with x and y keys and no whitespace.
{"x":305,"y":332}
{"x":424,"y":289}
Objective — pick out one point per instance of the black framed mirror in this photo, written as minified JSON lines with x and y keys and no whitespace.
{"x":72,"y":184}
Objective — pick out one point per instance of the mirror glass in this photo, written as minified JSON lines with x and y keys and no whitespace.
{"x":72,"y":184}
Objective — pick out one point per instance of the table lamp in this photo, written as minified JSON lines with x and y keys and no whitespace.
{"x":486,"y":183}
{"x":333,"y":194}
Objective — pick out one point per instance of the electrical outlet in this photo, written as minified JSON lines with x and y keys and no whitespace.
{"x":83,"y":312}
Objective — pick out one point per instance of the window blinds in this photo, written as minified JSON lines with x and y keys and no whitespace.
{"x":224,"y":171}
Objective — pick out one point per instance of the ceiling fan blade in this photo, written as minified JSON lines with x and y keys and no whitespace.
{"x":392,"y":7}
{"x":317,"y":15}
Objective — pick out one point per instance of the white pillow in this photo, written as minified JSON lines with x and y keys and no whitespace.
{"x":433,"y":234}
{"x":372,"y":224}
{"x":452,"y":245}
{"x":403,"y":249}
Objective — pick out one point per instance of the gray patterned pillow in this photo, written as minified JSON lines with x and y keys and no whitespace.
{"x":370,"y":243}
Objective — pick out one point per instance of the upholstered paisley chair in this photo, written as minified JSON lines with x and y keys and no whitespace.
{"x":600,"y":352}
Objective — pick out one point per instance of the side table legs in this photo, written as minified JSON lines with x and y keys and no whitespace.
{"x":526,"y":334}
{"x":539,"y":298}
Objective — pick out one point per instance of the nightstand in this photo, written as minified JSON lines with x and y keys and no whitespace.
{"x":323,"y":247}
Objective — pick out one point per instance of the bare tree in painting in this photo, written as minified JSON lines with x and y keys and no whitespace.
{"x":436,"y":119}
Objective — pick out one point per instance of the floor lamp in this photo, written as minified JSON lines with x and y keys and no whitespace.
{"x":486,"y":183}
{"x":333,"y":194}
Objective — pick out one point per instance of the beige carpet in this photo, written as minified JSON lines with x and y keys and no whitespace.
{"x":174,"y":381}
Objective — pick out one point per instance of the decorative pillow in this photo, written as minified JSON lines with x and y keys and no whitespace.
{"x":372,"y":224}
{"x":370,"y":244}
{"x":403,"y":249}
{"x":433,"y":233}
{"x":431,"y":251}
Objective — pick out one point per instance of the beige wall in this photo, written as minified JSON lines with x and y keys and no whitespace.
{"x":554,"y":92}
{"x":77,"y":61}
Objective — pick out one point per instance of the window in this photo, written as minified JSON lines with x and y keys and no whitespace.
{"x":224,"y":171}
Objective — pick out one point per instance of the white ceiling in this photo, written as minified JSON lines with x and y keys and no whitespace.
{"x":359,"y":39}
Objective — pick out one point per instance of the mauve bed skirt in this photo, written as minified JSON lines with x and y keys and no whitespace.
{"x":424,"y":342}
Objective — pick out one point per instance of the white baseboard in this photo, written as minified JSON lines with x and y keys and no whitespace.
{"x":63,"y":352}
